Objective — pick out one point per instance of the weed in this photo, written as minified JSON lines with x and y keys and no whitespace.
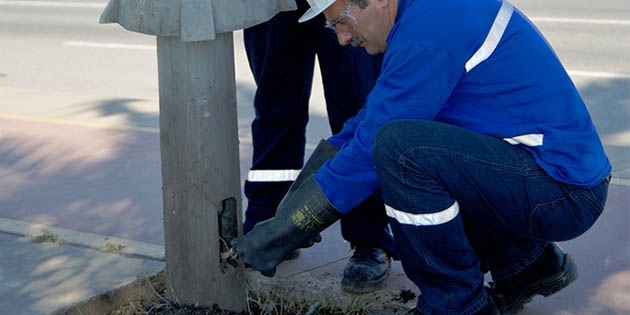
{"x":47,"y":238}
{"x":112,"y":248}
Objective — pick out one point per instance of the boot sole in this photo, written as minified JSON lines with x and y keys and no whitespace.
{"x":365,"y":286}
{"x":545,"y":287}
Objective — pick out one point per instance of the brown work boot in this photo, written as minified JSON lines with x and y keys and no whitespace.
{"x":367,"y":269}
{"x":551,"y":272}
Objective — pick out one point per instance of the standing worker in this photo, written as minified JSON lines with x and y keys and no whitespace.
{"x":281,"y":55}
{"x":480,"y":144}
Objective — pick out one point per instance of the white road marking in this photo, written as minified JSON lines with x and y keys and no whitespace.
{"x":579,"y":20}
{"x":110,"y":45}
{"x":618,"y":139}
{"x":83,"y":239}
{"x":600,"y":75}
{"x":591,"y":74}
{"x":79,"y":123}
{"x":620,"y":181}
{"x":51,"y":4}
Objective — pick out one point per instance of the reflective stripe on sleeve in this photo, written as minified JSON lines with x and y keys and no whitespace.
{"x":435,"y":218}
{"x":272,"y":175}
{"x":493,"y":38}
{"x":531,"y":140}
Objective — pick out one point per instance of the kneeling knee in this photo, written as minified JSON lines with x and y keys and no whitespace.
{"x":385,"y":142}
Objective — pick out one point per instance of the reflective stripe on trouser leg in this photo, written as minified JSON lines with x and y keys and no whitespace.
{"x":434,"y":218}
{"x":272,"y":175}
{"x":268,"y":187}
{"x":438,"y":258}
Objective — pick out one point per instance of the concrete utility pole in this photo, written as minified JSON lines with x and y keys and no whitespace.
{"x":199,"y":136}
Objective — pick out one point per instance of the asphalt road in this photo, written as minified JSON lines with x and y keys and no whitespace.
{"x":58,"y":64}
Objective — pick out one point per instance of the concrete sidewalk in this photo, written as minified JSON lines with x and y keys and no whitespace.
{"x":42,"y":278}
{"x":100,"y":188}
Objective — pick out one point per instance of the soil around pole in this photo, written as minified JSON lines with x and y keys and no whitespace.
{"x":266,"y":296}
{"x":170,"y":308}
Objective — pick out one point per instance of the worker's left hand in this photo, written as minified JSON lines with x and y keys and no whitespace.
{"x":303,"y":214}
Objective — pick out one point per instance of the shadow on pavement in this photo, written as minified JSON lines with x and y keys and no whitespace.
{"x":94,"y":180}
{"x":609,"y":104}
{"x":108,"y":182}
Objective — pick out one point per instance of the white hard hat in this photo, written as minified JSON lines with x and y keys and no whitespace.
{"x":317,"y":7}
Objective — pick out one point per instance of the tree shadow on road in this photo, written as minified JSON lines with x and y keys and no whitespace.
{"x":121,"y":108}
{"x":96,"y":180}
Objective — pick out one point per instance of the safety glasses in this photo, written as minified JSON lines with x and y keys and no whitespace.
{"x":345,"y":23}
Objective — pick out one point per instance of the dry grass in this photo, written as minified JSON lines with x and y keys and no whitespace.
{"x":147,"y":297}
{"x":151,"y":299}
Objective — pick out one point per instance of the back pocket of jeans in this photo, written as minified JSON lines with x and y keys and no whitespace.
{"x":563,"y":219}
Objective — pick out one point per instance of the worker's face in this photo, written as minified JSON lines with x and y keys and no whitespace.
{"x":365,"y":27}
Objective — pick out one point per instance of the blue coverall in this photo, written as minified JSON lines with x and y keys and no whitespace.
{"x":480,"y":143}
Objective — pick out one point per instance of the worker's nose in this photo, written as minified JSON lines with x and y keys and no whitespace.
{"x":344,"y":38}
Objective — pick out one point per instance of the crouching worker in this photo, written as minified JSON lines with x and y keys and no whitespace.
{"x":479,"y":142}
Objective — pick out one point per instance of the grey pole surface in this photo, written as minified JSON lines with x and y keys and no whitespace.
{"x":200,"y":167}
{"x":198,"y":136}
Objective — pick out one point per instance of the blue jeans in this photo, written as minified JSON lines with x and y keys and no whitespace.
{"x":502,"y":210}
{"x":281,"y":54}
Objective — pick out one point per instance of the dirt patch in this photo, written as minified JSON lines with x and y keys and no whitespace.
{"x":169,"y":308}
{"x":405,"y":296}
{"x":302,"y":294}
{"x":153,"y":301}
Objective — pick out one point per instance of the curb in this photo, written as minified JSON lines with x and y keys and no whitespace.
{"x":43,"y":233}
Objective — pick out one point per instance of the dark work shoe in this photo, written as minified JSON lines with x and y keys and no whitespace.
{"x":551,"y":272}
{"x":366,"y":271}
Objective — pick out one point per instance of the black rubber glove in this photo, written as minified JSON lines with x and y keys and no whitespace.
{"x":305,"y":212}
{"x":323,"y":152}
{"x":265,"y":246}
